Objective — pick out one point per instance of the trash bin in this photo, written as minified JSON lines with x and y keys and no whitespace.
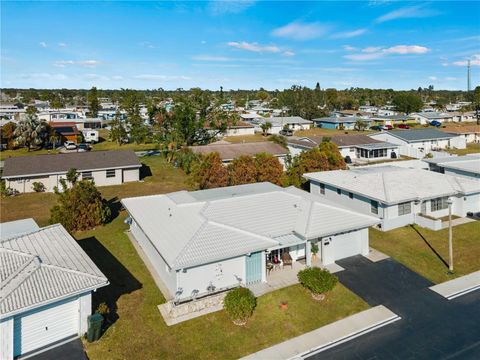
{"x":94,"y":331}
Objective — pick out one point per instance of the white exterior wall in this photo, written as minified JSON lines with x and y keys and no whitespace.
{"x":221,"y":274}
{"x":329,"y":246}
{"x":100,"y":178}
{"x":85,"y":304}
{"x":240,"y":131}
{"x":6,"y":339}
{"x":131,"y":175}
{"x":168,"y":276}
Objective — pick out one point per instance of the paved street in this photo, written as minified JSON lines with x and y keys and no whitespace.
{"x":431,"y":327}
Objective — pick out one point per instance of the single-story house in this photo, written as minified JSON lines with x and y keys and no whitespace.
{"x":46,"y":288}
{"x":103,"y":167}
{"x":340,"y":122}
{"x":229,"y":151}
{"x":471,"y":133}
{"x":419,"y":142}
{"x":394,"y":120}
{"x":466,"y":166}
{"x":356,"y":147}
{"x":279,"y":123}
{"x":250,"y":116}
{"x":237,"y":128}
{"x":397,"y":196}
{"x":426,"y":117}
{"x":66,"y":132}
{"x":207,"y":241}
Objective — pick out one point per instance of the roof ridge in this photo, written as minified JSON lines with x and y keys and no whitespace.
{"x":387,"y":195}
{"x":58,"y":267}
{"x":9,"y":287}
{"x":195,"y":235}
{"x":17,"y":236}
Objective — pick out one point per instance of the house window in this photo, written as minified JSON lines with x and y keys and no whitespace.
{"x":404,"y":208}
{"x":352,"y":149}
{"x":111,"y":173}
{"x":339,"y":191}
{"x":350,"y":195}
{"x":322,"y":189}
{"x":374,"y":207}
{"x":439,"y":204}
{"x":87,"y":175}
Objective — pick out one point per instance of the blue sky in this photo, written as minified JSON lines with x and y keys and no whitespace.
{"x":239,"y":44}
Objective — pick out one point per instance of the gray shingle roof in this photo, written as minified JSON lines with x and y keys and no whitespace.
{"x":189,"y":232}
{"x":341,"y":119}
{"x":61,"y":163}
{"x":41,"y":267}
{"x":420,"y":135}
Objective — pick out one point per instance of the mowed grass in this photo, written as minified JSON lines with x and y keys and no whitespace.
{"x":141,"y":331}
{"x":161,"y":178}
{"x":24,"y":152}
{"x":471,"y":149}
{"x":426,"y":251}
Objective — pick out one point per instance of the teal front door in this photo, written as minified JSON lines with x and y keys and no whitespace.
{"x":253,"y":268}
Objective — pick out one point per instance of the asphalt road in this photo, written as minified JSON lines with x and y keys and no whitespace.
{"x":431,"y":327}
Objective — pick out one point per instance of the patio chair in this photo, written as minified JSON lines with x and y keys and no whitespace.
{"x":287,"y":259}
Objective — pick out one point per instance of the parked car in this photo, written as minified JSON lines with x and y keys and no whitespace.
{"x":376,"y":127}
{"x":83,"y":147}
{"x":403,"y":126}
{"x":435,"y":123}
{"x":388,"y":127}
{"x":70,"y":145}
{"x":286,"y":132}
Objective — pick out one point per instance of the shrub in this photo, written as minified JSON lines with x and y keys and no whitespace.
{"x":103,"y":309}
{"x":317,"y":280}
{"x":38,"y":186}
{"x":239,"y":305}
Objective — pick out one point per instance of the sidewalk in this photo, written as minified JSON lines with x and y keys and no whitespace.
{"x":459,"y":286}
{"x":328,"y":336}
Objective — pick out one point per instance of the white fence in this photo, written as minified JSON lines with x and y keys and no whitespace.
{"x":432,"y":224}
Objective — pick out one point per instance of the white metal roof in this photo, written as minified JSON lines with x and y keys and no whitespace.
{"x":189,"y":229}
{"x":469,"y":163}
{"x":41,"y":267}
{"x":392,"y":184}
{"x":17,"y":227}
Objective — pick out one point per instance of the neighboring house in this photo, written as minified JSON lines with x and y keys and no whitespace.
{"x":250,"y":116}
{"x":356,"y":147}
{"x":465,"y":166}
{"x":279,"y":123}
{"x":229,"y":151}
{"x":340,"y":123}
{"x":103,"y":167}
{"x":58,"y":116}
{"x":471,"y":133}
{"x":426,"y":117}
{"x":393,"y":120}
{"x":65,"y":132}
{"x":208,"y":241}
{"x":46,"y":288}
{"x":418,"y":143}
{"x":398,"y":196}
{"x":240,"y":128}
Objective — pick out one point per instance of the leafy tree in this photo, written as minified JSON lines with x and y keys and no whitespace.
{"x":269,"y":168}
{"x":118,"y":133}
{"x":72,"y":176}
{"x":242,"y":170}
{"x":7,"y":134}
{"x":31,"y":111}
{"x":93,"y":103}
{"x":57,"y":103}
{"x":30,"y":131}
{"x":265,"y":127}
{"x":360,"y":125}
{"x":80,"y":207}
{"x":210,"y":172}
{"x":407,"y":103}
{"x":262,"y":95}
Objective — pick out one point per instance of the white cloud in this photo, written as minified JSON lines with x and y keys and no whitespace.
{"x":349,"y":34}
{"x":62,"y":44}
{"x":288,"y":53}
{"x":220,"y":7}
{"x":474,"y":61}
{"x":211,"y":58}
{"x":407,"y":12}
{"x":349,"y":48}
{"x":85,"y":63}
{"x":43,"y":77}
{"x":255,"y":47}
{"x":451,"y":78}
{"x":96,"y":77}
{"x":433,"y":78}
{"x":43,"y":44}
{"x":147,"y":44}
{"x":156,"y":77}
{"x":376,"y":52}
{"x":301,"y":31}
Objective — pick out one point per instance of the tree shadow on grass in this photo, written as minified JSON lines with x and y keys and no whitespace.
{"x":115,"y":207}
{"x":121,"y":280}
{"x":145,"y":171}
{"x":430,"y":246}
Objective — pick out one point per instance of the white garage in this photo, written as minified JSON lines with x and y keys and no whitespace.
{"x":46,"y":287}
{"x":344,"y":245}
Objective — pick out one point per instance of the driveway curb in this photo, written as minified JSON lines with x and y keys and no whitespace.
{"x":452,"y":289}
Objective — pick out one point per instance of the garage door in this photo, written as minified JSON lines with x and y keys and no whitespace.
{"x":347,"y":245}
{"x":45,"y":326}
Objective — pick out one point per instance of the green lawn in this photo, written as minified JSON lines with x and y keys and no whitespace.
{"x":426,"y":251}
{"x":23,"y":152}
{"x":471,"y":149}
{"x":140,"y":329}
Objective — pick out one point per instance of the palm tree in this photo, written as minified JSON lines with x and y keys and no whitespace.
{"x":30,"y":131}
{"x":265,"y":127}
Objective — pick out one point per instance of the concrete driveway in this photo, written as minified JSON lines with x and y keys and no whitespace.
{"x":432,"y":327}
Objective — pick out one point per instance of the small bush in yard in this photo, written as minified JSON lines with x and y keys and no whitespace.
{"x":38,"y":186}
{"x":239,"y":305}
{"x":317,"y":280}
{"x":103,"y":309}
